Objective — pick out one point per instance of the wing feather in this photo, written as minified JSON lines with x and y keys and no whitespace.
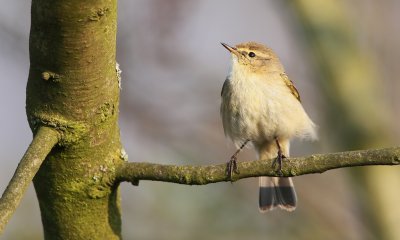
{"x":291,"y":86}
{"x":224,"y":86}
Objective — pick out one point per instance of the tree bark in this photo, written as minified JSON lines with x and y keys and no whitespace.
{"x":42,"y":143}
{"x":201,"y":175}
{"x":73,"y":88}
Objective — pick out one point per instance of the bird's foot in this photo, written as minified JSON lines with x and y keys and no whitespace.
{"x":231,"y":167}
{"x":278,"y":160}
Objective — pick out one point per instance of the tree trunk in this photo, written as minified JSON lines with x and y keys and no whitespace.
{"x":73,"y":88}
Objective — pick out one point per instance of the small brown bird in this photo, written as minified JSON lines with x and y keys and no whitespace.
{"x":261,"y":105}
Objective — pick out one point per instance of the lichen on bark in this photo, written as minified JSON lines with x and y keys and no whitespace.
{"x":73,"y":88}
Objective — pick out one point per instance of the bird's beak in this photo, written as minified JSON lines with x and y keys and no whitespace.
{"x":233,"y":50}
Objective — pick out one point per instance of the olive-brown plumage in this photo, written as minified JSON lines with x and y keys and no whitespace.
{"x":260,"y":104}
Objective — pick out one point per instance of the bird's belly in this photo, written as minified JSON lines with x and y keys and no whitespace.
{"x":263,"y":118}
{"x":247,"y":119}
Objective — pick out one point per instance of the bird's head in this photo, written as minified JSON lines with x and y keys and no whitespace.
{"x":254,"y":57}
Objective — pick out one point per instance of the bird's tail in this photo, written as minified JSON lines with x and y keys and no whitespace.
{"x":276,"y":191}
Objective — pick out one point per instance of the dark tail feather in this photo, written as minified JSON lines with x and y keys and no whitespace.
{"x":277,"y":192}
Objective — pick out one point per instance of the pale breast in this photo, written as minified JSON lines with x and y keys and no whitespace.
{"x":243,"y":106}
{"x":262,"y":110}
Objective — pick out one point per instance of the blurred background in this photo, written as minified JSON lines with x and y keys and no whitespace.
{"x":343,"y":57}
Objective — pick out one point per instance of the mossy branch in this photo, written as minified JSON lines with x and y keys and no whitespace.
{"x":201,"y":175}
{"x":42,"y":143}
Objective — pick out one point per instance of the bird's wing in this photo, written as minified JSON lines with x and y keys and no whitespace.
{"x":224,"y":86}
{"x":290,"y":85}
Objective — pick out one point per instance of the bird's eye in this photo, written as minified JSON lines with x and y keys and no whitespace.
{"x":252,"y":54}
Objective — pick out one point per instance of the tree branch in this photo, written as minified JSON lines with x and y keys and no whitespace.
{"x":41,"y":145}
{"x":201,"y":175}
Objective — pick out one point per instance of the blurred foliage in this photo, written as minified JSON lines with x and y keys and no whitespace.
{"x":358,"y":115}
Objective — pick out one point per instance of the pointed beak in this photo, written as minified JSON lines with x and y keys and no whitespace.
{"x":233,"y":50}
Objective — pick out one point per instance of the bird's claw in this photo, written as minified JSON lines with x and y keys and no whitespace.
{"x":231,"y":167}
{"x":278,"y":160}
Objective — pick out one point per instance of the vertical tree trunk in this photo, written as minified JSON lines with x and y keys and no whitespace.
{"x":73,"y":88}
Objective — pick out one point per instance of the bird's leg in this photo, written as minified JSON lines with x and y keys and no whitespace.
{"x":279,"y":158}
{"x":231,"y":166}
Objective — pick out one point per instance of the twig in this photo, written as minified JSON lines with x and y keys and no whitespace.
{"x":41,"y":145}
{"x":201,"y":175}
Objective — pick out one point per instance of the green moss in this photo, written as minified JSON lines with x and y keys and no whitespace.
{"x":98,"y":13}
{"x":107,"y":110}
{"x":75,"y":185}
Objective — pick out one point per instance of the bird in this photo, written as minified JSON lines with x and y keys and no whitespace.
{"x":261,"y":105}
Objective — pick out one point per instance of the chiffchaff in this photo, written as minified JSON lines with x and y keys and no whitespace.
{"x":262,"y":106}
